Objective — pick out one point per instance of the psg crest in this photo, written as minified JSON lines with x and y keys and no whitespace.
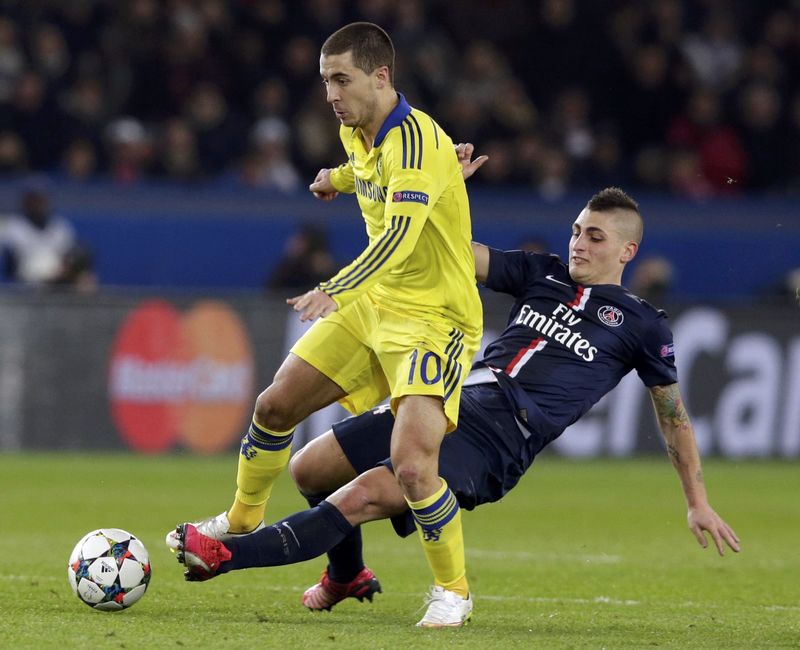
{"x":611,"y":316}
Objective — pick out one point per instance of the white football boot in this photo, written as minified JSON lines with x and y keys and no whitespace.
{"x":214,"y":527}
{"x":446,"y":609}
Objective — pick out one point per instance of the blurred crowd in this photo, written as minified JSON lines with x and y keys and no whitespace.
{"x":695,"y":97}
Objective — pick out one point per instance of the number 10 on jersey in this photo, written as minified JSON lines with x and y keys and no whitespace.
{"x":429,"y":367}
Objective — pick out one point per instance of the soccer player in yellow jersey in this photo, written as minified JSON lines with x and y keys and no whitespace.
{"x":403,"y":320}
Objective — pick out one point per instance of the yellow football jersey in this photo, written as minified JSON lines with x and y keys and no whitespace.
{"x":411,"y":192}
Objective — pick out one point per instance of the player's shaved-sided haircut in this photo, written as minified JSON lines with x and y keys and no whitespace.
{"x":370,"y":45}
{"x":613,"y":198}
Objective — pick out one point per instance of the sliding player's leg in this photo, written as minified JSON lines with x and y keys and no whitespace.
{"x":299,"y":537}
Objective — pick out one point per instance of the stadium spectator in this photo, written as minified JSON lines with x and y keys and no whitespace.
{"x":715,"y":54}
{"x":528,"y":149}
{"x":650,"y":167}
{"x":269,"y":165}
{"x":86,"y":111}
{"x":652,"y":279}
{"x":466,"y":117}
{"x":35,"y":118}
{"x":40,"y":247}
{"x":315,"y":143}
{"x":572,"y":123}
{"x":760,"y":115}
{"x":300,"y":66}
{"x":511,"y":108}
{"x":307,"y":260}
{"x":128,"y":150}
{"x":220,"y":131}
{"x":13,"y":154}
{"x":554,"y":174}
{"x":606,"y":165}
{"x":794,"y":146}
{"x":560,"y":31}
{"x":80,"y":161}
{"x":12,"y":59}
{"x":50,"y":56}
{"x":270,"y":99}
{"x":648,"y":98}
{"x":501,"y":166}
{"x":700,"y":128}
{"x":426,"y":54}
{"x":685,"y":175}
{"x":177,"y":157}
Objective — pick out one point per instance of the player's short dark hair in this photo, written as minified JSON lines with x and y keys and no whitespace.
{"x":612,"y":198}
{"x":370,"y":45}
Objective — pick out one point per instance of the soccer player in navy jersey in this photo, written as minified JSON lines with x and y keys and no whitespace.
{"x":573,"y":332}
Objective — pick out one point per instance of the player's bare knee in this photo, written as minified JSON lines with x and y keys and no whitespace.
{"x":302,"y":473}
{"x":408,"y":474}
{"x":273,"y":413}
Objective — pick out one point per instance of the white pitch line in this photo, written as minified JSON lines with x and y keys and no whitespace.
{"x":599,"y":600}
{"x":605,"y":600}
{"x":548,"y":558}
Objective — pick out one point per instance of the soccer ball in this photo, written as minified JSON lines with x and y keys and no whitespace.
{"x":109,"y":569}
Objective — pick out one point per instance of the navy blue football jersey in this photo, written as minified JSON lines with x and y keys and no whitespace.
{"x":567,"y":345}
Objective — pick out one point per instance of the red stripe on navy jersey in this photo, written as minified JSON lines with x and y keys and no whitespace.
{"x":523,"y":355}
{"x":581,"y":298}
{"x":577,"y":299}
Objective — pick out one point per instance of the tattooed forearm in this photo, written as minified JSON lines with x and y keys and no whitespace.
{"x":674,"y":454}
{"x":676,"y":428}
{"x":669,"y":407}
{"x":673,"y":421}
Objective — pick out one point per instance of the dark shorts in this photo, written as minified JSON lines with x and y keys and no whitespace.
{"x":481,"y":460}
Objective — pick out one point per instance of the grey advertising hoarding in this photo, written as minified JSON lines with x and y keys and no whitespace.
{"x":116,"y":371}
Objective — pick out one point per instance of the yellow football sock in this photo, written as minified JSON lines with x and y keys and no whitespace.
{"x":438,"y":519}
{"x":263,"y":455}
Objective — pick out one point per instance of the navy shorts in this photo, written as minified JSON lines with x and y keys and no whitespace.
{"x":481,"y":460}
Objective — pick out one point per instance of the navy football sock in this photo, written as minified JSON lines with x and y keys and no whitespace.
{"x":302,"y":536}
{"x":345,"y":560}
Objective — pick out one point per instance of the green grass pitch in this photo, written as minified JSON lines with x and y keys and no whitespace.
{"x":589,"y":554}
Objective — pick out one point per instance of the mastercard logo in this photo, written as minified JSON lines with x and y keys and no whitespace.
{"x":181,"y":378}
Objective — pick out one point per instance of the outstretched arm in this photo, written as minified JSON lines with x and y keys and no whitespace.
{"x":682,"y":448}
